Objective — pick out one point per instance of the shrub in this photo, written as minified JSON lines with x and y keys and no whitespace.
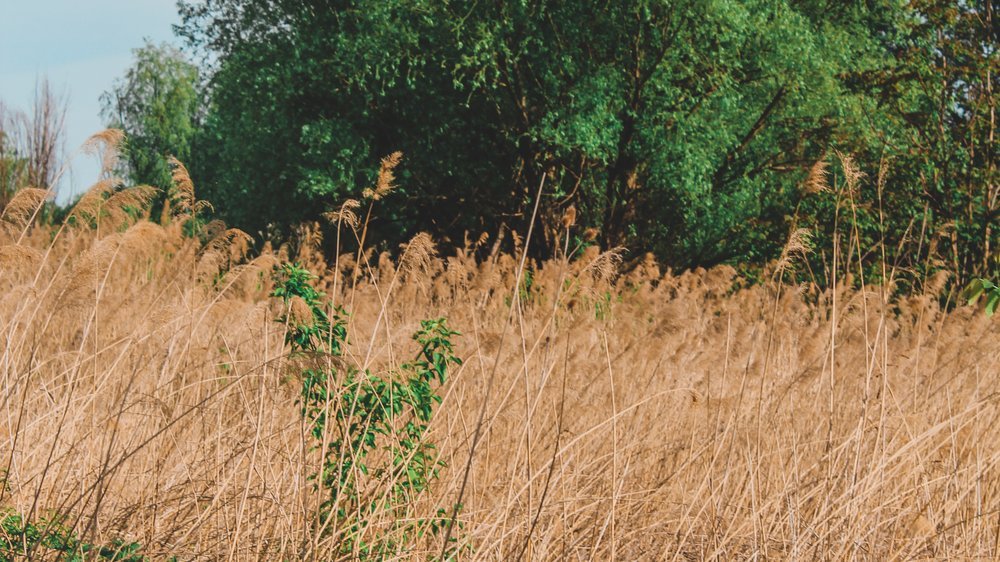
{"x":980,"y":287}
{"x":51,"y":539}
{"x":371,"y":430}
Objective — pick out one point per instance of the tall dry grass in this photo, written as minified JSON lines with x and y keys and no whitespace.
{"x":645,"y":415}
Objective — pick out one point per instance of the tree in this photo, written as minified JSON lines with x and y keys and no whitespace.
{"x":683,"y":127}
{"x":31,"y":144}
{"x":928,"y":145}
{"x":157,"y":103}
{"x":43,"y":135}
{"x":947,"y":111}
{"x":12,"y":161}
{"x":680,"y":126}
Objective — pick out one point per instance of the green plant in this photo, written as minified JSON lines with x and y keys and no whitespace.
{"x":51,"y":539}
{"x":371,"y":429}
{"x":679,"y":127}
{"x":980,"y":287}
{"x":156,"y":103}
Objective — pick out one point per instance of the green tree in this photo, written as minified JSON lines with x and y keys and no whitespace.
{"x":685,"y":127}
{"x":928,"y":146}
{"x":157,"y":103}
{"x":12,"y":166}
{"x":679,"y":126}
{"x":944,"y":101}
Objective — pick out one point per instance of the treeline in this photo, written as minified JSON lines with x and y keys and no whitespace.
{"x":704,"y":131}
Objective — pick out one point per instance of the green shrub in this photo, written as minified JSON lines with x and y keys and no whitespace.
{"x":372,"y":429}
{"x":980,"y":287}
{"x":51,"y":539}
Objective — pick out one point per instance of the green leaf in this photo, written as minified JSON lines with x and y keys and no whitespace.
{"x":973,"y":290}
{"x":991,"y":302}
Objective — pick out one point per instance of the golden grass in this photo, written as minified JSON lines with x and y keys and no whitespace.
{"x":147,"y":394}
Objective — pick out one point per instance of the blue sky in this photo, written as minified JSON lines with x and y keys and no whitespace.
{"x":82,"y":46}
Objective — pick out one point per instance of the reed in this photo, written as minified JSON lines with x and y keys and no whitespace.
{"x":148,"y":396}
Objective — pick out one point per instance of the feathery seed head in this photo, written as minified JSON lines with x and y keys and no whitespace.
{"x":852,"y":175}
{"x":799,"y":245}
{"x":23,"y":206}
{"x":299,"y":313}
{"x":816,"y":181}
{"x":417,"y":254}
{"x":106,"y":144}
{"x":345,"y":214}
{"x":88,"y":208}
{"x":182,"y":196}
{"x":133,"y":199}
{"x":19,"y":259}
{"x":606,"y":265}
{"x":569,"y":217}
{"x":386,"y":176}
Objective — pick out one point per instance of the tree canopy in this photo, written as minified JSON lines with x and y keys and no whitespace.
{"x":683,"y":127}
{"x":157,"y":104}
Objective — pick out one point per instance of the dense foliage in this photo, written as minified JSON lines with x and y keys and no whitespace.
{"x":12,"y":166}
{"x":50,"y":539}
{"x":157,"y":104}
{"x":686,"y":128}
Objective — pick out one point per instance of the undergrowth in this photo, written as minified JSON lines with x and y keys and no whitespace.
{"x":376,"y":460}
{"x":49,"y":539}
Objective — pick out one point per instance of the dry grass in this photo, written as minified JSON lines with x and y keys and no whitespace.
{"x":146,"y":392}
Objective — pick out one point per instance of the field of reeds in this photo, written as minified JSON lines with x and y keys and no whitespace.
{"x":152,"y":404}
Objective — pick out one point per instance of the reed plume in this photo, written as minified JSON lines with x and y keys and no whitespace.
{"x":418,"y":254}
{"x":816,"y":181}
{"x":345,"y":214}
{"x":798,"y":245}
{"x":21,"y":208}
{"x":183,"y":197}
{"x":386,"y":177}
{"x":105,"y":144}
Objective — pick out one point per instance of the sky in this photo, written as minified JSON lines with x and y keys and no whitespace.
{"x":82,"y":46}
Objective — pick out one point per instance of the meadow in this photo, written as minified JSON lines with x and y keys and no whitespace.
{"x":156,"y":400}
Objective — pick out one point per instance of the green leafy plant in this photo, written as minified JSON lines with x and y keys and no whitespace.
{"x":372,"y":429}
{"x":156,"y":103}
{"x":51,"y":539}
{"x":980,"y":287}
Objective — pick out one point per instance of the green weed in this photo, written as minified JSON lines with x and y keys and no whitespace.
{"x":51,"y":539}
{"x":355,"y":414}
